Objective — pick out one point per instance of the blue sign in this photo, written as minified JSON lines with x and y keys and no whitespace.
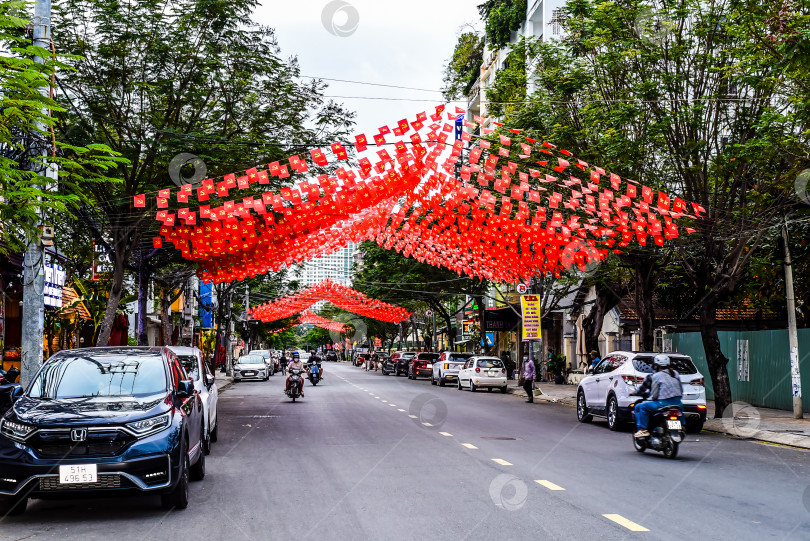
{"x":459,"y":126}
{"x":205,"y":301}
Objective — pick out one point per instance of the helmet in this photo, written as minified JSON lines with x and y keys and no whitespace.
{"x":661,"y":360}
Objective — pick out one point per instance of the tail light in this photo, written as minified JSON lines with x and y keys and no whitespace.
{"x":503,"y":370}
{"x":701,"y":407}
{"x":632,"y":380}
{"x":674,"y":414}
{"x":477,"y":369}
{"x":700,"y":381}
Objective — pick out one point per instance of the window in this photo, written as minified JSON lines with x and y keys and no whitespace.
{"x":613,"y":362}
{"x":682,"y":365}
{"x":556,"y":21}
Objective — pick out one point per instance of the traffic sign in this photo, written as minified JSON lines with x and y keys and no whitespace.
{"x":429,"y":313}
{"x":522,"y":288}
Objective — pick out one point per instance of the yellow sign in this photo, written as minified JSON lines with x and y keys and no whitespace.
{"x":530,"y":306}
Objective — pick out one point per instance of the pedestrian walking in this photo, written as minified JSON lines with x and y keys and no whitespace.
{"x":509,"y":364}
{"x":528,"y":378}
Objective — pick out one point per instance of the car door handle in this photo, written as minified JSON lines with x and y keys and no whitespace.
{"x":597,"y":380}
{"x":610,"y":378}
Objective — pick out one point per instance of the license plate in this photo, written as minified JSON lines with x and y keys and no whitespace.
{"x":674,"y":425}
{"x":249,"y":373}
{"x":493,"y":373}
{"x":85,"y":473}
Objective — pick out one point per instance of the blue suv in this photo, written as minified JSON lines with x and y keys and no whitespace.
{"x":98,"y":421}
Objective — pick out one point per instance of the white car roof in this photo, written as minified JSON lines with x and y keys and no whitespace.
{"x":184,"y":350}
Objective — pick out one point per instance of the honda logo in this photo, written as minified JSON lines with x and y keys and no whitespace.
{"x":78,"y":434}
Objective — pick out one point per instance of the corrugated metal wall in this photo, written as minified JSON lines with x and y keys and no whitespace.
{"x":768,"y":365}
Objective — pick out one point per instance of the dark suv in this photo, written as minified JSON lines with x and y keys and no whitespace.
{"x":422,"y":365}
{"x":397,"y":363}
{"x":103,"y":420}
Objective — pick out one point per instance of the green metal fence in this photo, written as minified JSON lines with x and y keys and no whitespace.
{"x":765,"y":379}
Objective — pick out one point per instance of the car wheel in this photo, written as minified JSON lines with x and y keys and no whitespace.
{"x":442,"y":382}
{"x":215,"y":432}
{"x":694,"y":428}
{"x":582,"y":409}
{"x":459,"y":384}
{"x":206,"y":444}
{"x":433,"y":380}
{"x":473,"y":388}
{"x":197,"y":472}
{"x":505,"y":389}
{"x":613,"y":414}
{"x":15,"y":505}
{"x":178,"y":498}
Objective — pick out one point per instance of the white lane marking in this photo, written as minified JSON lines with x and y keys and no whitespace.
{"x":501,"y":461}
{"x":400,"y":409}
{"x":469,"y":446}
{"x":548,"y":484}
{"x":392,"y":405}
{"x":385,"y":401}
{"x":412,"y":416}
{"x":629,"y":524}
{"x":446,"y":434}
{"x":427,"y":424}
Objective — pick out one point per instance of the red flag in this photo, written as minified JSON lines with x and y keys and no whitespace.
{"x":140,"y":200}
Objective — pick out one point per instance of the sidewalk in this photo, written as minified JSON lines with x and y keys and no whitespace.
{"x":223,"y":381}
{"x":741,"y":421}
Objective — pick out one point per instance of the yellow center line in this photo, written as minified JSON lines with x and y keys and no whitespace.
{"x":548,"y":484}
{"x":629,"y":524}
{"x":501,"y":461}
{"x":469,"y":446}
{"x":446,"y":434}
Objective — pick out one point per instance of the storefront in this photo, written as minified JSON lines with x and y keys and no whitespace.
{"x":10,"y":309}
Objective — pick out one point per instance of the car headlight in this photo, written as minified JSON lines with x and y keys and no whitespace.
{"x":14,"y":430}
{"x":150,"y":425}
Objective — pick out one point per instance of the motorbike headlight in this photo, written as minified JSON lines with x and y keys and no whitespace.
{"x":151,"y":425}
{"x":15,"y":430}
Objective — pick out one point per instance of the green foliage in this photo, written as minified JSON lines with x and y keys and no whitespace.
{"x":464,"y":67}
{"x":510,"y":82}
{"x":502,"y":17}
{"x":26,"y":194}
{"x":556,"y":365}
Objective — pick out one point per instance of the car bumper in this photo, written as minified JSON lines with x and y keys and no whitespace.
{"x":425,"y":373}
{"x":485,"y":381}
{"x":449,"y":375}
{"x":257,"y":374}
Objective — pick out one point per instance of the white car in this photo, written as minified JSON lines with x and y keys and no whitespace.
{"x":250,"y":366}
{"x":446,"y":368}
{"x":268,"y":359}
{"x":482,"y":371}
{"x":605,"y":391}
{"x":205,"y":384}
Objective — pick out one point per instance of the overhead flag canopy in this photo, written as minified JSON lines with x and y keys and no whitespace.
{"x":517,"y":208}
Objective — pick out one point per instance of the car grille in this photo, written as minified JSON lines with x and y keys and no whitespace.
{"x":99,"y":442}
{"x":104,"y":481}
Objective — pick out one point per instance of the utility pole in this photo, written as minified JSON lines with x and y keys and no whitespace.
{"x":247,"y":317}
{"x":33,"y":312}
{"x":226,"y":337}
{"x":793,"y":337}
{"x":433,"y":339}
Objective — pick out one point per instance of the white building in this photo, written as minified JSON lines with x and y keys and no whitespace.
{"x":337,"y":266}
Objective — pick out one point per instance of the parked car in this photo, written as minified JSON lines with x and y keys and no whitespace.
{"x":605,"y":391}
{"x":482,"y":371}
{"x":397,"y":363}
{"x":446,"y":368}
{"x":421,"y":364}
{"x":361,"y":358}
{"x":250,"y":366}
{"x":205,"y":383}
{"x":331,"y":356}
{"x":99,"y":421}
{"x":268,"y":360}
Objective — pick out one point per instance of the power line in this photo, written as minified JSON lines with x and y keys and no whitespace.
{"x":372,"y":84}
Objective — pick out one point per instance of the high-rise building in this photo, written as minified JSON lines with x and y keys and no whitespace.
{"x":337,"y":266}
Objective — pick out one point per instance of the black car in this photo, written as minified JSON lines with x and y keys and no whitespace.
{"x":331,"y":357}
{"x":99,"y":421}
{"x":397,"y":363}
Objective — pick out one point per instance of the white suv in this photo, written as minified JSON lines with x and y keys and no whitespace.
{"x":446,"y":368}
{"x":205,"y":384}
{"x":605,"y":391}
{"x":481,"y":371}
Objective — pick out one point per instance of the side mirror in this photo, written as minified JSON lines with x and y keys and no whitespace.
{"x":210,"y":379}
{"x":17,"y":393}
{"x":590,"y":370}
{"x":185,"y":388}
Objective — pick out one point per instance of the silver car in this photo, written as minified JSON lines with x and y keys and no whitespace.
{"x":205,"y":384}
{"x":446,"y":368}
{"x":250,"y":366}
{"x":268,"y":359}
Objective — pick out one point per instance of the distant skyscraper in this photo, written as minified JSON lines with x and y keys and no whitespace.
{"x":336,"y":267}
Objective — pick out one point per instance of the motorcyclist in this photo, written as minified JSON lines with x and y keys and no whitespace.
{"x":665,"y":389}
{"x":314,"y":370}
{"x":296,"y":364}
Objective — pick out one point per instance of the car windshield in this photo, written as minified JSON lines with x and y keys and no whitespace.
{"x":261,"y":352}
{"x":251,"y":359}
{"x":408,"y":355}
{"x":140,"y":373}
{"x":430,"y":357}
{"x":189,"y":363}
{"x":489,"y":363}
{"x":682,"y":365}
{"x":457,"y":358}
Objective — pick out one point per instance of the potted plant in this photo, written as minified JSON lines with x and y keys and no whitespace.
{"x":556,"y":368}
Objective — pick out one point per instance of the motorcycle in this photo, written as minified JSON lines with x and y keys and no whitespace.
{"x":314,"y":378}
{"x":295,"y":384}
{"x":666,"y":431}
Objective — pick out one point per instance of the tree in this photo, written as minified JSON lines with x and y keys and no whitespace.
{"x":502,"y":17}
{"x":464,"y":68}
{"x":199,"y":77}
{"x":27,"y":195}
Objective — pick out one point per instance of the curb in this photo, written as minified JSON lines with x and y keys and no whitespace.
{"x":761,"y":436}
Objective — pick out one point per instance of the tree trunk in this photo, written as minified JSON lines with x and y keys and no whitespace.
{"x":718,"y":363}
{"x":644,"y":278}
{"x":143,"y":300}
{"x":607,"y":298}
{"x":165,"y":322}
{"x":120,"y":257}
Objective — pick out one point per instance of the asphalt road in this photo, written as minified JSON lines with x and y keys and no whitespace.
{"x":365,"y":456}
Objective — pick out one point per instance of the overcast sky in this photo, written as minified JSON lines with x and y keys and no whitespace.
{"x":401,"y":43}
